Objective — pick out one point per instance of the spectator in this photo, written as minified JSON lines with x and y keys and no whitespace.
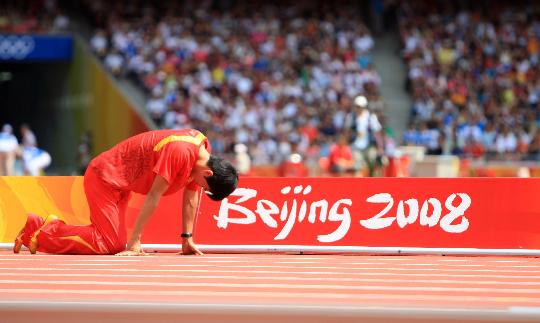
{"x":99,"y":44}
{"x":28,"y":138}
{"x":367,"y":140}
{"x":35,"y":160}
{"x":506,"y":141}
{"x":293,"y":166}
{"x":8,"y":150}
{"x":84,"y":152}
{"x":114,"y":62}
{"x":242,"y":159}
{"x":341,"y":158}
{"x":473,"y":148}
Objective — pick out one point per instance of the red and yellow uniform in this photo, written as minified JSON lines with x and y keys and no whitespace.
{"x":130,"y":166}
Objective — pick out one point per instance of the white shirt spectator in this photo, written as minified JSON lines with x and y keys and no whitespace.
{"x":61,"y":22}
{"x":365,"y":122}
{"x":364,"y":43}
{"x":488,"y":140}
{"x":470,"y":130}
{"x":28,"y":138}
{"x":244,"y":85}
{"x":99,"y":43}
{"x":506,"y":142}
{"x":35,"y":160}
{"x":114,"y":62}
{"x":8,"y":142}
{"x":156,"y":106}
{"x":120,"y":40}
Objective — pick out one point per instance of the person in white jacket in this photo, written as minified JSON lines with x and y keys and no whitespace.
{"x":35,"y":160}
{"x":8,"y":150}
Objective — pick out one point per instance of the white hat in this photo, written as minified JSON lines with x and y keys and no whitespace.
{"x":361,"y":101}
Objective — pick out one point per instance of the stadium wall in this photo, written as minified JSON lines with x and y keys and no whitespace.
{"x":95,"y":103}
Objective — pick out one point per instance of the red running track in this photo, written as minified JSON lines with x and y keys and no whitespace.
{"x":268,"y":288}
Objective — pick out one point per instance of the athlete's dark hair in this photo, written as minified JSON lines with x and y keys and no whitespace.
{"x":224,"y":179}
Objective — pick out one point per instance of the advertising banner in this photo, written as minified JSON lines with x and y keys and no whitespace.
{"x":64,"y":196}
{"x":35,"y":48}
{"x":499,"y":213}
{"x":339,"y":213}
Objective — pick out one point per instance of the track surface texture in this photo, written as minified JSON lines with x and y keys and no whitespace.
{"x":268,"y":288}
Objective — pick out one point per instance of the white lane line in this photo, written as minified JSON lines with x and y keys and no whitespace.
{"x":91,"y":258}
{"x":481,"y":273}
{"x":462,"y":299}
{"x":283,"y":278}
{"x":145,"y":260}
{"x":298,"y":262}
{"x":341,"y":268}
{"x":115,"y":259}
{"x":279,"y":286}
{"x":276,"y":264}
{"x":468,"y":259}
{"x":400,"y":268}
{"x":277,"y":258}
{"x":272,"y":263}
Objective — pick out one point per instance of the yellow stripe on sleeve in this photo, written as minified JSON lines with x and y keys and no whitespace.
{"x":197,"y":140}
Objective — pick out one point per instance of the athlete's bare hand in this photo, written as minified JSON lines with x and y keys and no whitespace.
{"x":190,"y":248}
{"x":132,"y":253}
{"x":133,"y":249}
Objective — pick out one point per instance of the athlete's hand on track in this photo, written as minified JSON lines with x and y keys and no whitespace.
{"x":132,"y":253}
{"x":133,"y":250}
{"x":189,"y":248}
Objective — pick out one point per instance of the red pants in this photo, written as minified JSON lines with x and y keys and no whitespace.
{"x":106,"y":234}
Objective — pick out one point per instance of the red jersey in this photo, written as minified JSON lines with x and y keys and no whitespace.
{"x":340,"y":152}
{"x":133,"y":164}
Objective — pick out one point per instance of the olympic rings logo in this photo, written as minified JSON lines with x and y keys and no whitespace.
{"x":16,"y":47}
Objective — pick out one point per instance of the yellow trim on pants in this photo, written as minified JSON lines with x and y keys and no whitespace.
{"x":81,"y":241}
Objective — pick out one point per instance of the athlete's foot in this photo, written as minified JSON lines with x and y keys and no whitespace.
{"x":33,"y":244}
{"x":18,"y":242}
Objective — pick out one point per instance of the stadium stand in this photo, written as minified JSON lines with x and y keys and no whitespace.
{"x":473,"y":74}
{"x":278,"y":78}
{"x":21,"y":17}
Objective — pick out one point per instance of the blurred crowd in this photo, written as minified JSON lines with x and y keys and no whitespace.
{"x":274,"y":81}
{"x":36,"y":16}
{"x":474,"y":77}
{"x":33,"y":160}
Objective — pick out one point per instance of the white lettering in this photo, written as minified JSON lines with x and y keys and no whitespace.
{"x":223,"y":218}
{"x":446,"y":223}
{"x":403,"y":220}
{"x":456,"y":212}
{"x":289,"y":224}
{"x":435,"y":216}
{"x":323,"y":205}
{"x":430,"y":213}
{"x":334,"y":216}
{"x":303,"y":207}
{"x":377,"y":222}
{"x":266,"y":212}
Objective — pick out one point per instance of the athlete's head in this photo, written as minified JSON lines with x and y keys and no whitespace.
{"x":220,"y":176}
{"x":224,"y":179}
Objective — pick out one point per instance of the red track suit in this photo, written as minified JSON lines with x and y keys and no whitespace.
{"x":130,"y":166}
